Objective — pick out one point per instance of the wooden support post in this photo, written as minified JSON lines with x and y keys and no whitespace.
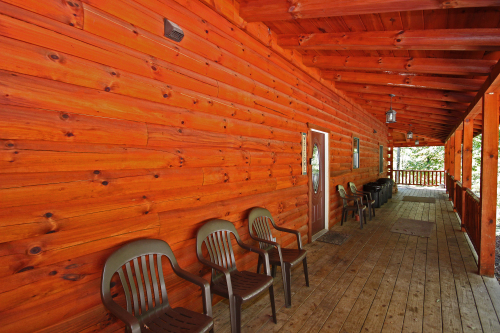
{"x":451,"y":150}
{"x":467,"y":162}
{"x":446,"y":157}
{"x":451,"y":154}
{"x":458,"y":155}
{"x":489,"y":170}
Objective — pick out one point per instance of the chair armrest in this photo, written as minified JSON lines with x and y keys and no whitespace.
{"x":202,"y":283}
{"x":360,"y":196}
{"x":271,"y":243}
{"x":355,"y":198}
{"x":264,"y":241}
{"x":221,"y":269}
{"x":122,"y":314}
{"x":368,"y":194}
{"x":262,"y":253}
{"x":296,"y":232}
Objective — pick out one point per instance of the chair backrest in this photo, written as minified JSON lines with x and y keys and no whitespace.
{"x":145,"y":292}
{"x":343,"y":194}
{"x":258,"y":225}
{"x":216,"y":235}
{"x":352,"y":187}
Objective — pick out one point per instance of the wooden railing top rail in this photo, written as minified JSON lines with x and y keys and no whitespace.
{"x":421,"y":170}
{"x":472,"y":194}
{"x":459,"y":183}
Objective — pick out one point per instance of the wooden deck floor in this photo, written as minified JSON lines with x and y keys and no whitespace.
{"x":379,"y":281}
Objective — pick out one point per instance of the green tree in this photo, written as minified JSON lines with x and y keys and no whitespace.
{"x":422,"y":158}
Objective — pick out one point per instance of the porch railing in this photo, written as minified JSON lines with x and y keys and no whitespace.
{"x":450,"y":187}
{"x":467,"y":206}
{"x":419,"y":177}
{"x":471,"y":220}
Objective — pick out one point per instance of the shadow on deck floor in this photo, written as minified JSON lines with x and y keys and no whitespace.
{"x":379,"y":281}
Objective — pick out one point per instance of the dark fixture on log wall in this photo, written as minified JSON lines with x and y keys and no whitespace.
{"x":173,"y":31}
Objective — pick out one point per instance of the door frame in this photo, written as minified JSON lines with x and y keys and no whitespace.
{"x":326,"y":132}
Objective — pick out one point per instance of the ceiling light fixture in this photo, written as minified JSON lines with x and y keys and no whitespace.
{"x":409,"y":135}
{"x":390,"y":116}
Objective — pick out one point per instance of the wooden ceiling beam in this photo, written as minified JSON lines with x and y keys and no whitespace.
{"x":434,"y":133}
{"x":404,"y":65}
{"x":415,"y":81}
{"x":398,"y":144}
{"x":411,"y":109}
{"x":410,"y":101}
{"x":427,"y":138}
{"x":490,"y":85}
{"x":278,"y":10}
{"x":415,"y":120}
{"x":432,"y":39}
{"x":429,"y":94}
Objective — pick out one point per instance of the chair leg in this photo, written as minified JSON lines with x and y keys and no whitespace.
{"x":273,"y":271}
{"x":360,"y":218}
{"x":284,"y":277}
{"x":343,"y":216}
{"x":259,"y":262}
{"x":306,"y":274}
{"x":273,"y":307}
{"x":373,"y":208}
{"x":370,"y":210}
{"x":364,"y":215}
{"x":287,"y":272}
{"x":235,"y":311}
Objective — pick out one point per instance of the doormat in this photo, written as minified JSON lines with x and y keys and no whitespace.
{"x":333,"y":237}
{"x":413,"y":227}
{"x":420,"y":199}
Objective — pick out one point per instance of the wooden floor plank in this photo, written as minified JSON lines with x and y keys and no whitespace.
{"x":415,"y":305}
{"x":449,"y":302}
{"x":379,"y":281}
{"x":432,"y":302}
{"x":468,"y":310}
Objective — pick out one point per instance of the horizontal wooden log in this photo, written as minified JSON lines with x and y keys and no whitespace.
{"x":438,"y":39}
{"x":157,"y":70}
{"x":415,"y":81}
{"x":280,"y":10}
{"x":429,"y":94}
{"x":403,"y":65}
{"x":20,"y":123}
{"x":67,"y":12}
{"x":101,"y":187}
{"x":409,"y":101}
{"x":60,"y":97}
{"x":171,"y":137}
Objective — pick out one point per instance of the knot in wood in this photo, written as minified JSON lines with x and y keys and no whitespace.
{"x":35,"y":250}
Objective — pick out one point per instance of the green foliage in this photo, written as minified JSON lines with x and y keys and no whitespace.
{"x":422,"y":158}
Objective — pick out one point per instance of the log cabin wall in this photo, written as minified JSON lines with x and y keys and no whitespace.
{"x":111,"y":132}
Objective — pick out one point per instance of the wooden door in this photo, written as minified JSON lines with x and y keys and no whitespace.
{"x":317,"y":179}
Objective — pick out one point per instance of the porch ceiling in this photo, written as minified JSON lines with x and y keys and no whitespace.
{"x":433,"y":55}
